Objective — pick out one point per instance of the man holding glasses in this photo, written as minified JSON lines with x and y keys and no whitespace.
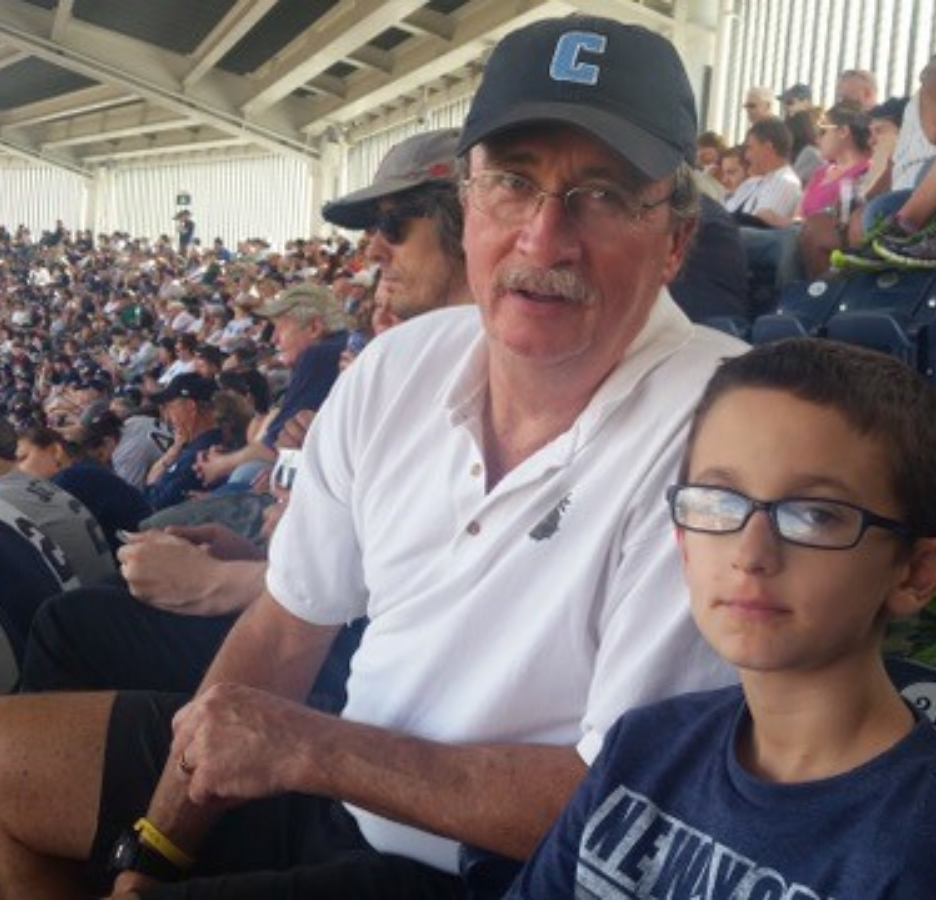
{"x":486,"y":485}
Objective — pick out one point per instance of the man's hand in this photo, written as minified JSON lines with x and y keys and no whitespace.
{"x":240,"y":743}
{"x":169,"y":572}
{"x":219,"y":540}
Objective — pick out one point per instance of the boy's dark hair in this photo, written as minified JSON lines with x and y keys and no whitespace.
{"x":774,"y":131}
{"x":879,"y":397}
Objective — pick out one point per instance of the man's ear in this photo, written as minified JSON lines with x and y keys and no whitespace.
{"x":681,"y":239}
{"x":918,"y":586}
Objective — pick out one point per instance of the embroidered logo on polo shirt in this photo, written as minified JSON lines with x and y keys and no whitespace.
{"x":549,"y":524}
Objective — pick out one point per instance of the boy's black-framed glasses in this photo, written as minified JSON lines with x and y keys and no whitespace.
{"x":816,"y":522}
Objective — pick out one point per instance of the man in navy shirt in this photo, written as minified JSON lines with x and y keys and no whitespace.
{"x":186,"y":405}
{"x":310,"y":331}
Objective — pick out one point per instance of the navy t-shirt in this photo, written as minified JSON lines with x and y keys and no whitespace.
{"x":175,"y":484}
{"x":312,"y":378}
{"x":667,"y":811}
{"x":115,"y":504}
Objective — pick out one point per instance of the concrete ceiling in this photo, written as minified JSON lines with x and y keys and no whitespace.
{"x":87,"y":82}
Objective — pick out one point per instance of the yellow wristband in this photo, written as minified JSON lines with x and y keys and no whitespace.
{"x":162,"y":845}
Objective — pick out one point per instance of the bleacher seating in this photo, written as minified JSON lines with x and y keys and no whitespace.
{"x":893,"y":311}
{"x":804,"y":309}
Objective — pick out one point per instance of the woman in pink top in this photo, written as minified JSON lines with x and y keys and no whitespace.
{"x":845,"y":145}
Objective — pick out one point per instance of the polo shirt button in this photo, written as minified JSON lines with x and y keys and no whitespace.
{"x":477,"y":469}
{"x":473,"y":528}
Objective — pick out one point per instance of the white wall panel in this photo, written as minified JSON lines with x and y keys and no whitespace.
{"x":36,"y":196}
{"x":267,"y":197}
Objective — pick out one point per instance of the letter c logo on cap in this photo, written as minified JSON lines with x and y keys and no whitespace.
{"x":565,"y":64}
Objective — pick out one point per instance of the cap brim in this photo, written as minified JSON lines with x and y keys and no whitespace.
{"x":653,"y":156}
{"x":358,"y":210}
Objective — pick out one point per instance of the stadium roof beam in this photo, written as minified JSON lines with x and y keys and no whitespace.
{"x":162,"y":149}
{"x":10,"y":56}
{"x":153,"y":74}
{"x":126,"y":122}
{"x":242,"y":17}
{"x":331,"y":39}
{"x":423,"y":60}
{"x":65,"y":106}
{"x":428,"y":21}
{"x":62,"y":19}
{"x":35,"y":155}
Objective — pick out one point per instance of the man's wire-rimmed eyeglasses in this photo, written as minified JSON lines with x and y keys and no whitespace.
{"x":514,"y":200}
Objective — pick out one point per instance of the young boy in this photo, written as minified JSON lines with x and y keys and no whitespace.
{"x":805,"y":510}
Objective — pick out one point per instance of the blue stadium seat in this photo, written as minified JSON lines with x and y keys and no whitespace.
{"x":891,"y":312}
{"x":803,"y":310}
{"x":886,"y":332}
{"x":736,"y":326}
{"x":893,"y":290}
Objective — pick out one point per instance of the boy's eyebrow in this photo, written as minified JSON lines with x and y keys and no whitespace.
{"x":726,"y":477}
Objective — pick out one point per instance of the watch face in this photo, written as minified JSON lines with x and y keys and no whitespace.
{"x":124,"y":853}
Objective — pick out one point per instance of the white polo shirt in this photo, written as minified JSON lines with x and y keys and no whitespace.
{"x":537,"y":612}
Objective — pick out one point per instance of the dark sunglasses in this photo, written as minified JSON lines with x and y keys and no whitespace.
{"x":392,"y":223}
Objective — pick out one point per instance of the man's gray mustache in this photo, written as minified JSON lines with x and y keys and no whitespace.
{"x":563,"y":283}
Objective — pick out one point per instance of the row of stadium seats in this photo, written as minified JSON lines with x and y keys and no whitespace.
{"x":893,"y":311}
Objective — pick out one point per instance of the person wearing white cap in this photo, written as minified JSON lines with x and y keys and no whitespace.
{"x":486,"y":485}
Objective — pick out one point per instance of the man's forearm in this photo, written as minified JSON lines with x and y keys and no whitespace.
{"x":269,"y":649}
{"x":501,"y":797}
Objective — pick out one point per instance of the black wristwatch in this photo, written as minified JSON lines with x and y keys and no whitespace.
{"x":130,"y":853}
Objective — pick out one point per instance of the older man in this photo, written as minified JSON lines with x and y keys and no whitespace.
{"x":487,"y":486}
{"x":310,"y":331}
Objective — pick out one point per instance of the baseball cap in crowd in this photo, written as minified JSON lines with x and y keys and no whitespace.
{"x":188,"y":385}
{"x":303,"y":301}
{"x":622,"y":84}
{"x":423,"y":159}
{"x":796,"y":92}
{"x":7,"y":441}
{"x":891,"y":109}
{"x":210,"y":354}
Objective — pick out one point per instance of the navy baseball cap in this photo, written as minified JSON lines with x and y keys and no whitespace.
{"x":623,"y":84}
{"x":189,"y":386}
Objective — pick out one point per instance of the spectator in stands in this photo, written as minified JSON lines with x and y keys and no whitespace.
{"x":310,"y":331}
{"x":805,"y":152}
{"x":538,"y":390}
{"x":796,"y":593}
{"x":186,"y":406}
{"x":831,"y":191}
{"x":58,"y":515}
{"x":32,"y":568}
{"x":772,"y":190}
{"x":185,"y":228}
{"x":885,"y":121}
{"x":143,"y":439}
{"x":732,"y":170}
{"x":796,"y":98}
{"x":208,"y":361}
{"x":413,"y":215}
{"x":913,"y":157}
{"x":758,"y":104}
{"x":89,"y":477}
{"x":857,"y":87}
{"x":710,"y":146}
